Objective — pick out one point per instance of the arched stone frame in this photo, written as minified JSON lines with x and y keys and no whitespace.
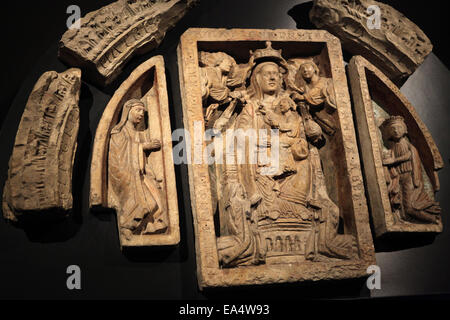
{"x":41,"y":163}
{"x":110,"y":36}
{"x":148,"y":81}
{"x":368,"y":83}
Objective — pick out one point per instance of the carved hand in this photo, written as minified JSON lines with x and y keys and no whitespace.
{"x":388,"y":161}
{"x":235,"y":94}
{"x":297,"y":97}
{"x":404,"y":158}
{"x":272,"y":120}
{"x":152,"y":145}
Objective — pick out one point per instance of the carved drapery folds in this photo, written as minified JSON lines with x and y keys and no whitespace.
{"x":110,"y":36}
{"x":294,"y":209}
{"x":132,"y":166}
{"x":40,"y":167}
{"x":400,"y":157}
{"x":396,"y":46}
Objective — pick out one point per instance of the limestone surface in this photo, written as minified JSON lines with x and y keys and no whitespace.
{"x":303,"y":215}
{"x":132,"y":167}
{"x":376,"y":31}
{"x":111,"y":36}
{"x":40,"y":167}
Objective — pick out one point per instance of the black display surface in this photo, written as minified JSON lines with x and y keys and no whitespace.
{"x":33,"y":261}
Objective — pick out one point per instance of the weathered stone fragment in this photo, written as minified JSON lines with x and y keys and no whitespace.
{"x":277,"y":191}
{"x":400,"y":157}
{"x":109,"y":37}
{"x":376,"y":31}
{"x":132,"y":167}
{"x":40,"y":167}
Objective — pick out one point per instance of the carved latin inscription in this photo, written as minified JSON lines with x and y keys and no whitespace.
{"x":40,"y":168}
{"x":110,"y":36}
{"x":397,"y":46}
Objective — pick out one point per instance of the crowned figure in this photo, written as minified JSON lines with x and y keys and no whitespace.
{"x":291,"y":217}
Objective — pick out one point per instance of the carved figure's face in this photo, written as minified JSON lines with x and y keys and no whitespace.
{"x":270,"y":78}
{"x":397,"y":130}
{"x":308,"y":71}
{"x":225,"y":65}
{"x":136,"y":114}
{"x":284,"y":106}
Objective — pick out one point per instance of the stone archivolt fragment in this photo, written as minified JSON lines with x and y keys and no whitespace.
{"x":112,"y":35}
{"x":303,"y":217}
{"x":40,"y":167}
{"x":400,"y":157}
{"x":398,"y":48}
{"x":132,"y":166}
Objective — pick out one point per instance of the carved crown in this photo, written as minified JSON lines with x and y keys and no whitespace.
{"x":392,"y":120}
{"x":267,"y":54}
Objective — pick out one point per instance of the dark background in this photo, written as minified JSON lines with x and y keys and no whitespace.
{"x":33,"y":261}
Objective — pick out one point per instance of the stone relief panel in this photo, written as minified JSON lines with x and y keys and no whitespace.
{"x":40,"y":167}
{"x":275,"y":194}
{"x":132,"y":166}
{"x":112,"y":35}
{"x":382,"y":35}
{"x":400,"y":157}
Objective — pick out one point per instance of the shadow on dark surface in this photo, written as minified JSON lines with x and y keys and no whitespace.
{"x":151,"y":254}
{"x":48,"y":226}
{"x":300,"y":14}
{"x":81,"y":163}
{"x":102,"y":214}
{"x":341,"y":289}
{"x":401,"y":241}
{"x":179,"y":178}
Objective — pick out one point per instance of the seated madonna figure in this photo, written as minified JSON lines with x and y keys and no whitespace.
{"x":299,"y":196}
{"x":136,"y":193}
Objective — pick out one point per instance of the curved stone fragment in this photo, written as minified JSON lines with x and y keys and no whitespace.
{"x":376,"y":31}
{"x":40,"y":167}
{"x":112,"y":35}
{"x":378,"y":102}
{"x":132,"y":168}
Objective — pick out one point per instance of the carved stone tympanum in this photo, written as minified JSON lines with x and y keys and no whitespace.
{"x":376,"y":31}
{"x":132,"y":166}
{"x":40,"y":167}
{"x":400,"y":157}
{"x":109,"y":37}
{"x":276,"y":187}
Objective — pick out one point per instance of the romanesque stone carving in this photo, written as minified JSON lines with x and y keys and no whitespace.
{"x":40,"y":167}
{"x":132,"y":166}
{"x":400,"y":157}
{"x":398,"y":47}
{"x":282,"y":184}
{"x":112,"y":35}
